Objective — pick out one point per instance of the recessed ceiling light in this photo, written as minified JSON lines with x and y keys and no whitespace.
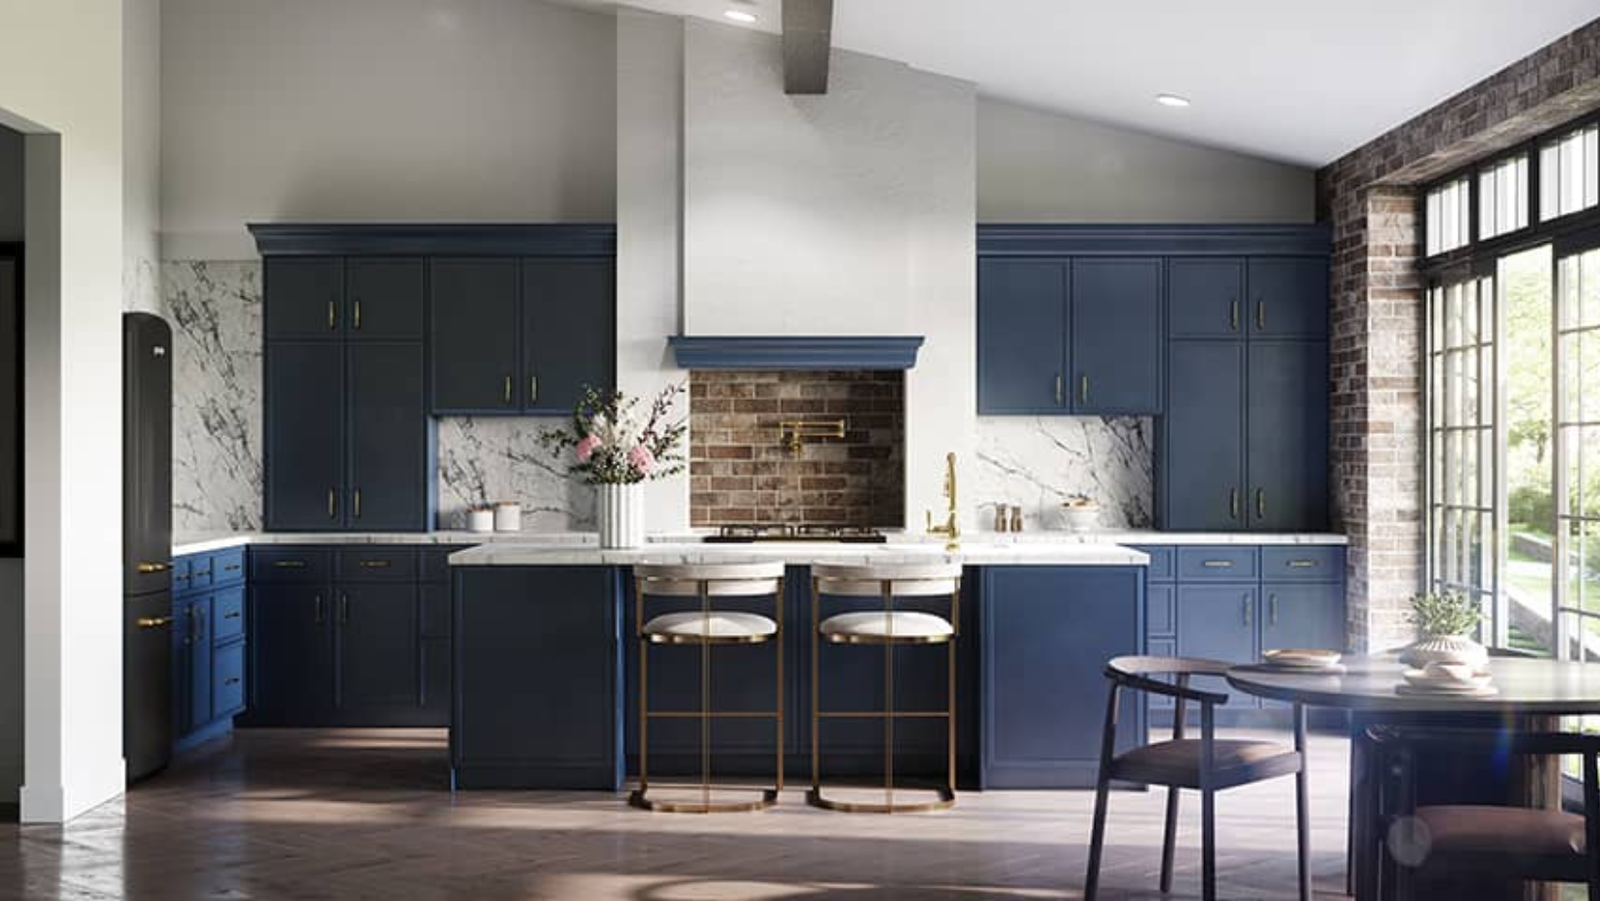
{"x":1172,"y":100}
{"x":741,"y":16}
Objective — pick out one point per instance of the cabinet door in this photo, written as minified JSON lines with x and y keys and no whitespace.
{"x":182,"y":669}
{"x":198,"y":622}
{"x":1202,"y":445}
{"x":568,"y":331}
{"x":1022,"y":324}
{"x":291,"y":676}
{"x":473,"y":325}
{"x":435,"y":700}
{"x":388,"y":437}
{"x":304,"y":298}
{"x":536,"y":646}
{"x":1205,"y":298}
{"x":1302,"y":615}
{"x":384,"y":298}
{"x":1116,"y":336}
{"x":378,"y":656}
{"x":304,"y":458}
{"x":1287,"y":450}
{"x":1289,"y":297}
{"x":1044,"y":628}
{"x":1218,"y":622}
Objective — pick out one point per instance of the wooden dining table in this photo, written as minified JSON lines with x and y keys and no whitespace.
{"x":1532,"y":695}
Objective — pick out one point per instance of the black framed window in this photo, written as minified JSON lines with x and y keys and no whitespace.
{"x":1569,"y":169}
{"x":1503,"y":197}
{"x":1449,"y":216}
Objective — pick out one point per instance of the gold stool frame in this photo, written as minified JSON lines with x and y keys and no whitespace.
{"x":886,"y":586}
{"x":639,"y":797}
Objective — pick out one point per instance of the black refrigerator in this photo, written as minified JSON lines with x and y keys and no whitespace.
{"x":146,"y":544}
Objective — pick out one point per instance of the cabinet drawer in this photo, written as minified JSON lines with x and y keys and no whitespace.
{"x":180,"y":574}
{"x":227,"y":610}
{"x":1217,"y":564}
{"x":227,"y":680}
{"x":1302,"y":564}
{"x":227,"y":567}
{"x":290,"y":564}
{"x":1160,"y":611}
{"x":376,"y":564}
{"x":436,"y":562}
{"x":1161,"y":562}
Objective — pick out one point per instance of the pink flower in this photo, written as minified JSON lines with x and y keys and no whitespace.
{"x":587,"y":447}
{"x":642,"y":461}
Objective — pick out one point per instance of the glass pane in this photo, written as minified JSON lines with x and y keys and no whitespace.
{"x":1549,"y":181}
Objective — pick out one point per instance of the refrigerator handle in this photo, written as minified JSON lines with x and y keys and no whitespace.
{"x":146,"y":568}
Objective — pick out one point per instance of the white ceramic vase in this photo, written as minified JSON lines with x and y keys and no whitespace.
{"x":1446,"y":649}
{"x":621,"y":512}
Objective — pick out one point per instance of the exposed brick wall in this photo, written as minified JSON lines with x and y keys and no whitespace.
{"x":741,"y":472}
{"x":1369,"y":198}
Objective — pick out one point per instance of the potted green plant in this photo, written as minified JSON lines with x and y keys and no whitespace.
{"x":1445,"y":622}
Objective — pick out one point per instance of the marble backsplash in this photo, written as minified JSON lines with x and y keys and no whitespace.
{"x":1038,"y":462}
{"x":214,"y":308}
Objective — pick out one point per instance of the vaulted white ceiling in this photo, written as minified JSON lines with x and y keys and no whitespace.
{"x":1294,"y":80}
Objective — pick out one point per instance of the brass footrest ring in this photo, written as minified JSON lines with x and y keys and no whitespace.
{"x":946,"y":800}
{"x":637,"y":798}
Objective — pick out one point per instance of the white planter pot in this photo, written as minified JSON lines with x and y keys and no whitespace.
{"x":621,"y":512}
{"x":1446,"y":649}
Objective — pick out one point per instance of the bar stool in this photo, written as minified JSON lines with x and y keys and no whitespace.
{"x":706,"y":627}
{"x":889,"y":628}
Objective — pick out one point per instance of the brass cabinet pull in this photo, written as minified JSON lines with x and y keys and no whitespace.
{"x":375,"y":564}
{"x":146,"y":568}
{"x":232,"y":615}
{"x":1060,"y":390}
{"x":1248,"y":616}
{"x":200,"y":572}
{"x":1083,"y":388}
{"x":1261,"y":314}
{"x":508,"y":389}
{"x":533,"y":389}
{"x":333,"y":315}
{"x":344,"y":609}
{"x":1302,"y":564}
{"x":333,"y":504}
{"x":355,"y":319}
{"x":181,"y":578}
{"x":289,"y":564}
{"x":1233,"y":315}
{"x":233,"y":567}
{"x":1272,"y":610}
{"x":153,"y":622}
{"x":1218,"y":564}
{"x":195,"y":625}
{"x":1233,"y":503}
{"x":231,"y":681}
{"x":1261,"y":503}
{"x":316,"y":609}
{"x":356,"y":505}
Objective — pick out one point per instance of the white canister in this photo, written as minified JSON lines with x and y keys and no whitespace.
{"x":507,"y":517}
{"x":480,"y":519}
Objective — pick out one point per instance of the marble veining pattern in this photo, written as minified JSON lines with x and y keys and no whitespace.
{"x":1038,"y":462}
{"x":484,"y":460}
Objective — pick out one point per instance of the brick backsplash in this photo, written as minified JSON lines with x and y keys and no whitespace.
{"x":741,"y":471}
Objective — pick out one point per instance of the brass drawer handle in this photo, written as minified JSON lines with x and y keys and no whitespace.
{"x":375,"y":564}
{"x":181,"y":578}
{"x":232,"y":681}
{"x":355,"y":321}
{"x":200,"y":572}
{"x":333,"y":504}
{"x":289,"y":564}
{"x":233,"y":615}
{"x":1217,"y":564}
{"x":146,"y":568}
{"x":357,"y":505}
{"x":233,"y":567}
{"x":1302,"y":564}
{"x":153,"y":622}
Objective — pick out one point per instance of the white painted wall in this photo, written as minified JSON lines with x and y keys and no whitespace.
{"x":61,"y":82}
{"x":1042,"y":167}
{"x":141,"y":155}
{"x":650,"y":225}
{"x":847,"y":213}
{"x":381,"y":110}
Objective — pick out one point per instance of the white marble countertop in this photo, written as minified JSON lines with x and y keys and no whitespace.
{"x":1013,"y":546}
{"x":972,"y":553}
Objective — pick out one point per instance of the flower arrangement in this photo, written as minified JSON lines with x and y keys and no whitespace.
{"x":1445,"y":615}
{"x":614,"y":442}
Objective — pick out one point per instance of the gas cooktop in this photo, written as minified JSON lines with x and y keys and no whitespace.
{"x":745,"y":534}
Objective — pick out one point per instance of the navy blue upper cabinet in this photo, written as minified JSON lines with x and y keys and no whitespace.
{"x":384,"y":298}
{"x":304,"y":420}
{"x":1045,"y":627}
{"x":1205,"y":298}
{"x":390,"y":479}
{"x":1116,"y":336}
{"x":1289,"y":297}
{"x":1022,"y":324}
{"x":568,"y":328}
{"x":306,"y":298}
{"x":1287,"y":446}
{"x":473,"y":329}
{"x":1201,"y":471}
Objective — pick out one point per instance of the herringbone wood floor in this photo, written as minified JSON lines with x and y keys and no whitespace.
{"x":336,"y":814}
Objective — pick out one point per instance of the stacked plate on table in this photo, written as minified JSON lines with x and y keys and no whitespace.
{"x":1303,"y":660}
{"x":1446,"y":680}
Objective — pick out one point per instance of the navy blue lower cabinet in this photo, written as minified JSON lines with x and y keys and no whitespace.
{"x":537,"y":678}
{"x":292,"y":667}
{"x":1048,"y":632}
{"x":376,"y":646}
{"x":208,"y":645}
{"x":1218,"y":622}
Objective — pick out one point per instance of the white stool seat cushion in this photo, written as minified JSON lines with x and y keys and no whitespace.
{"x":880,"y":624}
{"x":718,"y":624}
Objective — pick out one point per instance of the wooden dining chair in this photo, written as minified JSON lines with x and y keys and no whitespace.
{"x":1485,"y":841}
{"x":1207,"y":765}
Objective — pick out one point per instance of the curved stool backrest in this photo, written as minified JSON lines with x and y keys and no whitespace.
{"x":723,"y":580}
{"x":900,"y":579}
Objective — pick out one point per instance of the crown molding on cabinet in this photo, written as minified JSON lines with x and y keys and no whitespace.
{"x":434,"y":239}
{"x":1050,"y":239}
